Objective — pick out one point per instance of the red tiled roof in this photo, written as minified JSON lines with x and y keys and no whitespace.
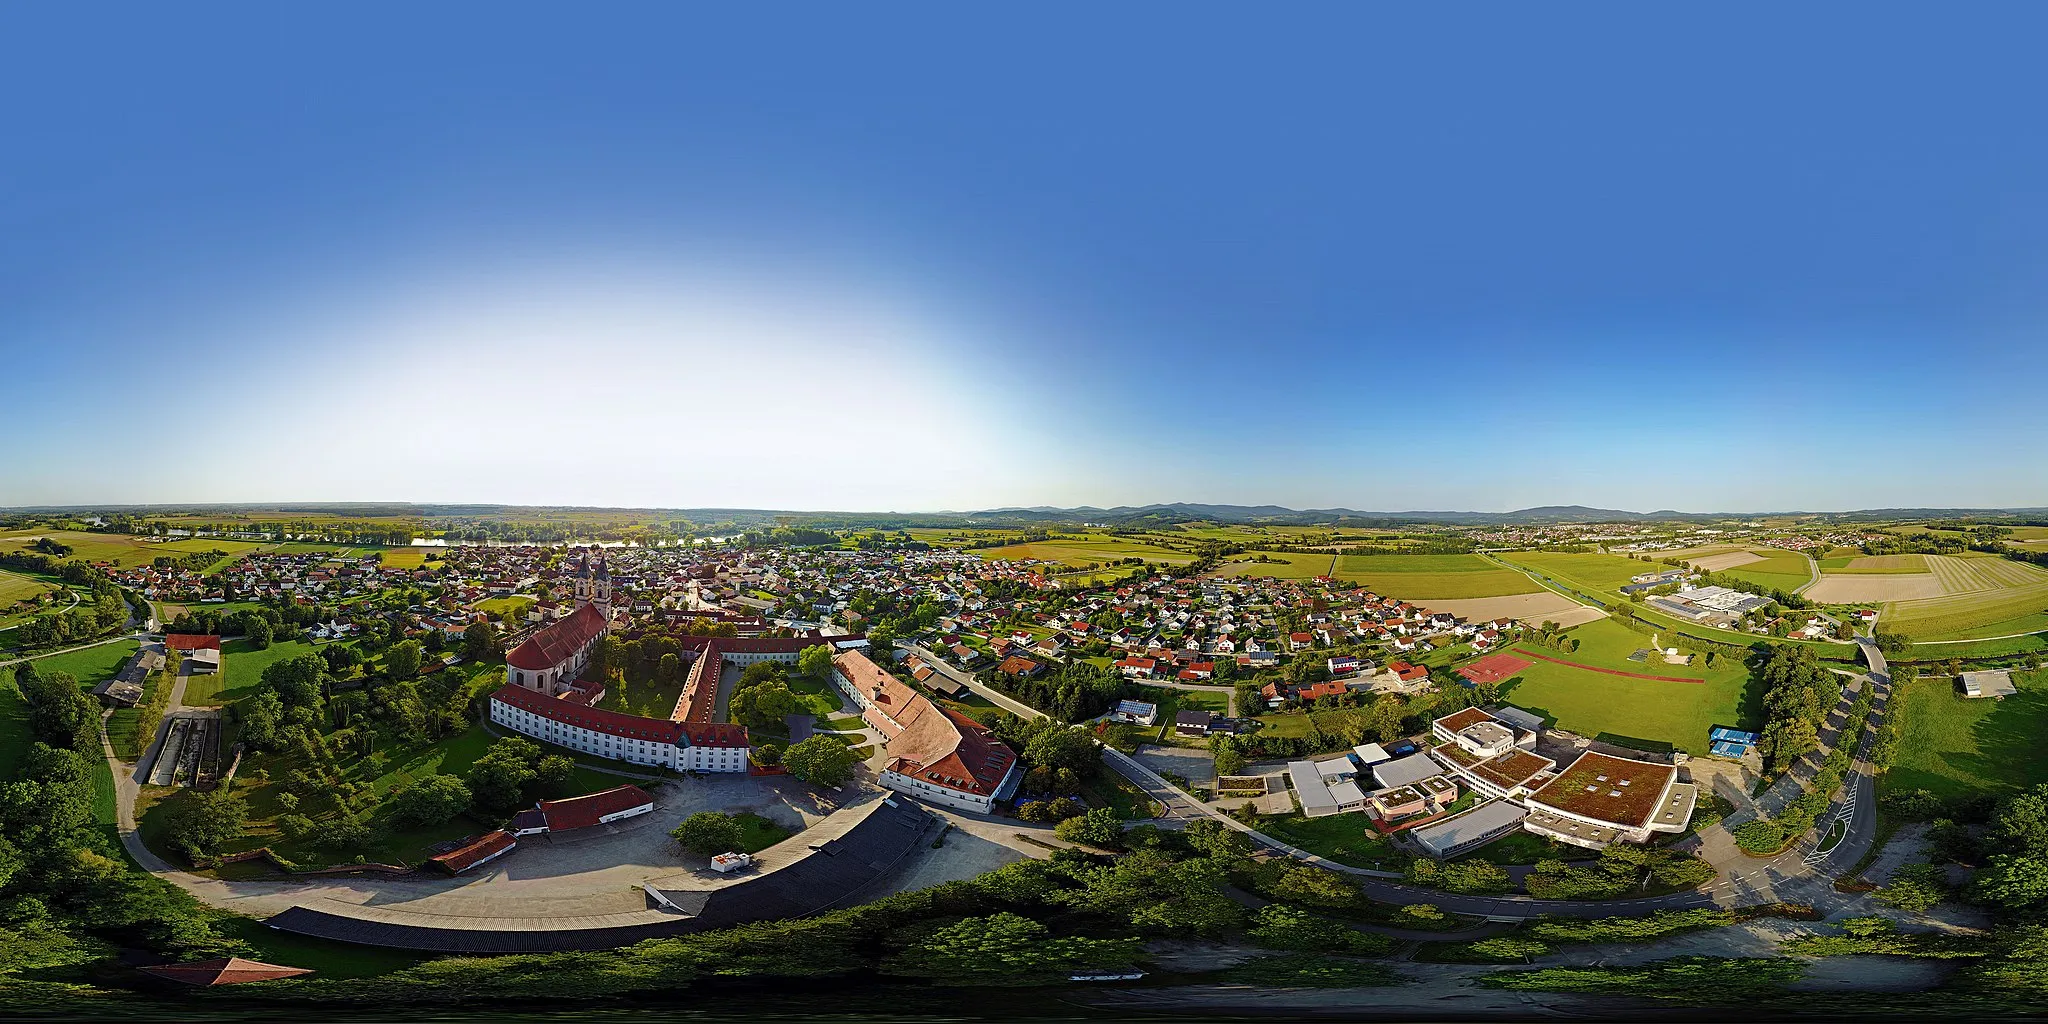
{"x":483,"y":848}
{"x":611,"y":723}
{"x":584,"y":811}
{"x":228,"y":971}
{"x":558,"y":641}
{"x":193,"y":642}
{"x":1017,"y":666}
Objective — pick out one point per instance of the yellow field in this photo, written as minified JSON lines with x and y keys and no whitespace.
{"x":404,"y":558}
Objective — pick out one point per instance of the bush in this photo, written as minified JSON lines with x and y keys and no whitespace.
{"x":709,"y":833}
{"x":1761,"y":836}
{"x":1099,"y":828}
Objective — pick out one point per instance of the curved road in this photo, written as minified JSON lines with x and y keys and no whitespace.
{"x":1800,"y":874}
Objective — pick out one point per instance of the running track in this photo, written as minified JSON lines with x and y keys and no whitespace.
{"x":1609,"y":671}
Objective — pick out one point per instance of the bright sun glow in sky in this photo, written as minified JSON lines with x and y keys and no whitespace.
{"x":957,"y":259}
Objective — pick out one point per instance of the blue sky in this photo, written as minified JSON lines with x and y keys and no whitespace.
{"x":921,"y":257}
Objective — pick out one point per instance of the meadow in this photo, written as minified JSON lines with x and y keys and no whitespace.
{"x":1779,"y":570}
{"x":1643,"y":713}
{"x":1420,"y":577}
{"x":1590,"y":572}
{"x":1956,"y":746}
{"x":91,"y":665}
{"x":241,"y":671}
{"x":14,"y":730}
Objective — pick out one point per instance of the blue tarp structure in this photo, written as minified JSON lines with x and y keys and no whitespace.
{"x":1726,"y":742}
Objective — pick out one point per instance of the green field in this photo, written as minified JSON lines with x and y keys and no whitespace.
{"x":1956,"y":746}
{"x":1422,"y":577}
{"x":16,"y":588}
{"x":91,"y":665}
{"x":517,"y":604}
{"x":1780,"y":570}
{"x":1984,"y":598}
{"x":1091,"y":549}
{"x":1643,"y":713}
{"x":241,"y":669}
{"x":1293,"y":565}
{"x":407,"y":557}
{"x":121,"y":549}
{"x":1875,"y":564}
{"x":1591,"y":572}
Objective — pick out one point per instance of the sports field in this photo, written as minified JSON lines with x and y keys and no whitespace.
{"x":1649,"y":714}
{"x":1956,"y":746}
{"x":1421,"y":577}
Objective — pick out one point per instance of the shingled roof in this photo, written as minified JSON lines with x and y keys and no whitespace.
{"x":228,"y":971}
{"x":558,"y":641}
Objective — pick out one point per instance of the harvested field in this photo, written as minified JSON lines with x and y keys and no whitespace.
{"x":1726,"y":560}
{"x":1702,"y":551}
{"x":1873,"y":588}
{"x":1535,"y":609}
{"x":1883,"y":563}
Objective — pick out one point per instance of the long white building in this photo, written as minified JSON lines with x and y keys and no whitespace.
{"x":683,"y":746}
{"x":935,"y":754}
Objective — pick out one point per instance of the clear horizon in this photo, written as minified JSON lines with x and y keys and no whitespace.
{"x":948,"y":259}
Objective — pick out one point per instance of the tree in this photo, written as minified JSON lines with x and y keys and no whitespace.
{"x":432,"y":800}
{"x":1215,"y":839}
{"x":1008,"y":948}
{"x":257,"y":631}
{"x":553,"y":771}
{"x":1914,"y":888}
{"x":1314,"y":887}
{"x":1229,"y":760}
{"x":204,"y":820}
{"x":498,"y":780}
{"x":820,"y":761}
{"x":764,"y":703}
{"x":1099,"y":827}
{"x":1510,"y":947}
{"x":403,"y":661}
{"x":480,"y":642}
{"x":1062,"y":746}
{"x":709,"y":833}
{"x":815,"y":662}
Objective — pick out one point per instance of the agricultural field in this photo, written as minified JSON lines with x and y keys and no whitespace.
{"x":15,"y":589}
{"x":1421,"y":577}
{"x":121,"y":549}
{"x":1591,"y":572}
{"x":1979,"y":597}
{"x":1089,"y":549}
{"x":1775,"y":569}
{"x":1648,"y":714}
{"x":517,"y":604}
{"x":1875,"y":564}
{"x":413,"y":557}
{"x":1298,"y":565}
{"x":1956,"y":746}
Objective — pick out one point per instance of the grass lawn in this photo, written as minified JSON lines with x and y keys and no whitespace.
{"x":1980,"y":649}
{"x":1956,"y":746}
{"x":92,"y":665}
{"x":1422,"y":577}
{"x":330,"y":959}
{"x":14,"y":732}
{"x":1344,"y":838}
{"x":1105,"y":788}
{"x":1172,"y":702}
{"x":1526,"y":848}
{"x":816,"y":696}
{"x":517,"y":604}
{"x":758,"y":833}
{"x":1291,"y":724}
{"x":241,"y":671}
{"x":1642,"y":713}
{"x":124,"y":724}
{"x":650,"y":699}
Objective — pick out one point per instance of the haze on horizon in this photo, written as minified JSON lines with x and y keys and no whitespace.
{"x":932,"y":258}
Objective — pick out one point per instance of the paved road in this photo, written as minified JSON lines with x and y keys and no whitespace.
{"x":1801,"y":874}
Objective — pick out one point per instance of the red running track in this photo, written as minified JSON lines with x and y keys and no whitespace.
{"x":1611,"y":671}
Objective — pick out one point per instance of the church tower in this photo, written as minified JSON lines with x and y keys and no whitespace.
{"x":582,"y":579}
{"x":601,"y":588}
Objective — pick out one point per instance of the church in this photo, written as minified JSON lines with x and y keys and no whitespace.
{"x":550,"y":660}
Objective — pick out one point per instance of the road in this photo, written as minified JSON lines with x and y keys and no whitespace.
{"x":1800,"y":874}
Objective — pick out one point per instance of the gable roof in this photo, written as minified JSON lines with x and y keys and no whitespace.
{"x":193,"y":642}
{"x":227,"y":971}
{"x":584,"y":811}
{"x":558,"y":641}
